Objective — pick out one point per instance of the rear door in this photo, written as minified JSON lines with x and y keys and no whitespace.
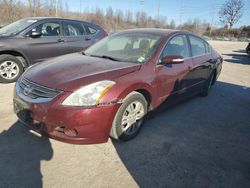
{"x":75,"y":38}
{"x":46,"y":46}
{"x":201,"y":58}
{"x":174,"y":78}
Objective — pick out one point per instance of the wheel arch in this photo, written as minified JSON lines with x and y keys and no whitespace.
{"x":147,"y":96}
{"x":24,"y":60}
{"x":214,"y":71}
{"x":122,"y":91}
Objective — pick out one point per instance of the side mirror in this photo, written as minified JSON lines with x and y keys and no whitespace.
{"x":35,"y":34}
{"x":172,"y":59}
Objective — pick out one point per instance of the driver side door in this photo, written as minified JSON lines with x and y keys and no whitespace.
{"x":47,"y":45}
{"x":174,"y":78}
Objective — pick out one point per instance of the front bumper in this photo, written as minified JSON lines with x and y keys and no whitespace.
{"x":76,"y":125}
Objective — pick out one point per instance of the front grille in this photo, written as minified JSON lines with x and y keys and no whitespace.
{"x":36,"y":91}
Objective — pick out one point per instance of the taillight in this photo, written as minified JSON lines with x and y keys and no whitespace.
{"x":105,"y":33}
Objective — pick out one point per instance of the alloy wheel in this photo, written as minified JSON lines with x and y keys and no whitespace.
{"x":9,"y":70}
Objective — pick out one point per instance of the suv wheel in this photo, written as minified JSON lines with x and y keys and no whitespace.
{"x":10,"y":68}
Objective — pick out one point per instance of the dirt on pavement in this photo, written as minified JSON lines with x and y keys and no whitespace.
{"x":202,"y":142}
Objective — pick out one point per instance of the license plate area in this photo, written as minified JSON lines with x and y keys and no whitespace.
{"x":23,"y":111}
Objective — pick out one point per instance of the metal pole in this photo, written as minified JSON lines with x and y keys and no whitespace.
{"x":56,"y":8}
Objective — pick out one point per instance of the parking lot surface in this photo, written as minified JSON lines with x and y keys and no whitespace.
{"x":202,"y":142}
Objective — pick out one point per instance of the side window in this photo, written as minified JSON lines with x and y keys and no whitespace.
{"x":207,"y":48}
{"x":48,"y":29}
{"x":90,"y":30}
{"x":197,"y":45}
{"x":73,"y":29}
{"x":177,"y":46}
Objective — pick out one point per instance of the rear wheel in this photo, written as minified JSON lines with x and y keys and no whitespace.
{"x":10,"y":68}
{"x":129,"y":117}
{"x":208,"y":84}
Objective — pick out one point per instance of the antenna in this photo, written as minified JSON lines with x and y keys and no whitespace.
{"x":80,"y":8}
{"x":141,"y":4}
{"x":213,"y":13}
{"x":158,"y":9}
{"x":181,"y":11}
{"x":56,"y":8}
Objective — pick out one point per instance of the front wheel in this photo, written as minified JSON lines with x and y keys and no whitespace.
{"x":129,"y":117}
{"x":10,"y":68}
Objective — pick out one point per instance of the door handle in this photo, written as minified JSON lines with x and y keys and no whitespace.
{"x":60,"y":40}
{"x":211,"y":61}
{"x":87,"y":38}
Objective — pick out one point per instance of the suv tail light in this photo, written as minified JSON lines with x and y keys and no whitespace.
{"x":105,"y":33}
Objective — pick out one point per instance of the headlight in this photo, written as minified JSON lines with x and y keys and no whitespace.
{"x":89,"y":95}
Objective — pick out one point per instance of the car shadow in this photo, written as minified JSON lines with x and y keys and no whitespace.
{"x":240,"y":57}
{"x":202,"y":142}
{"x":21,"y":153}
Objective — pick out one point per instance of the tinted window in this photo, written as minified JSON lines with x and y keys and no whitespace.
{"x":197,"y":46}
{"x":73,"y":29}
{"x":90,"y":30}
{"x":207,"y":48}
{"x":48,"y":29}
{"x":177,"y":46}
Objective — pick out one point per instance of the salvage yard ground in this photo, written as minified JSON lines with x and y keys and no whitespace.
{"x":203,"y":142}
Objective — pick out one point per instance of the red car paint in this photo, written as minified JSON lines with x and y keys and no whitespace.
{"x":87,"y":125}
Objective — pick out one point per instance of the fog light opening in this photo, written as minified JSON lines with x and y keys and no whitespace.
{"x":60,"y":129}
{"x":71,"y":132}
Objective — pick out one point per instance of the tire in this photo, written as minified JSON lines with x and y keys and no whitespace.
{"x":208,"y":84}
{"x":132,"y":118}
{"x":10,"y":68}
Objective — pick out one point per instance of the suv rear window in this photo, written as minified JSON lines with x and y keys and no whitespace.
{"x":90,"y":30}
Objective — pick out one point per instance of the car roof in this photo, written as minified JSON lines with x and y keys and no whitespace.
{"x":54,"y":18}
{"x":158,"y":31}
{"x":58,"y":18}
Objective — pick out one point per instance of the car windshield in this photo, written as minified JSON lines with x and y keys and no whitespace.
{"x":128,"y":47}
{"x":16,"y":27}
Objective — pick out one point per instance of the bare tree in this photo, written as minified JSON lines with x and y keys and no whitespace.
{"x":110,"y":13}
{"x":129,"y":16}
{"x":172,"y":24}
{"x":231,"y":12}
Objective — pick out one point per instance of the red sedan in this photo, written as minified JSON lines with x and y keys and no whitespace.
{"x":107,"y":90}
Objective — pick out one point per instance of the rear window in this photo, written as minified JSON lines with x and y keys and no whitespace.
{"x":90,"y":30}
{"x":73,"y":29}
{"x":198,"y":46}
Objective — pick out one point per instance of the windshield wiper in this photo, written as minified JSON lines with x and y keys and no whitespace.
{"x":105,"y":57}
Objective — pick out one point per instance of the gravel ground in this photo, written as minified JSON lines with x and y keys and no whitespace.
{"x":203,"y":142}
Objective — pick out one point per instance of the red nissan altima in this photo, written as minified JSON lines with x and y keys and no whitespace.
{"x":107,"y":90}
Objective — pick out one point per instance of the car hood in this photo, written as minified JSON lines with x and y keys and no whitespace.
{"x":69,"y":72}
